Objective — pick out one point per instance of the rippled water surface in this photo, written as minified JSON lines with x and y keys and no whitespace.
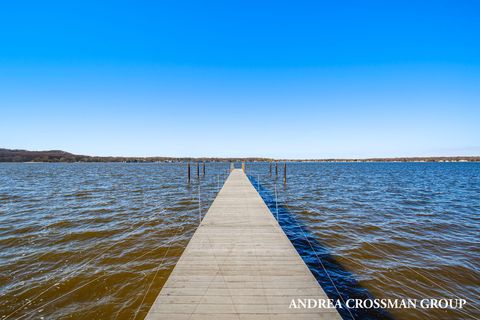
{"x":85,"y":241}
{"x":384,"y":230}
{"x":97,"y":241}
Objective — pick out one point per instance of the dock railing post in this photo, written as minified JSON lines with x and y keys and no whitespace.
{"x":285,"y":172}
{"x":243,"y":166}
{"x":270,"y":166}
{"x":188,"y":171}
{"x":198,"y":169}
{"x":199,"y":206}
{"x":276,"y":199}
{"x":204,"y":168}
{"x":276,"y":170}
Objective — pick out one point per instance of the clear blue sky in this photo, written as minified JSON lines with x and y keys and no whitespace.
{"x":296,"y":79}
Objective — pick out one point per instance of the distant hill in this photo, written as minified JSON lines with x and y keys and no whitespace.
{"x":13,"y":155}
{"x":8,"y":155}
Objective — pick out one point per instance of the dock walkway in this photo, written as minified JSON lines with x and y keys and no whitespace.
{"x":239,"y":265}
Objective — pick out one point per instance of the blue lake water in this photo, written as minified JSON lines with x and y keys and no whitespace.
{"x":84,"y":241}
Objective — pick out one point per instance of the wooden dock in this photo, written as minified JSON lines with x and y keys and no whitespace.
{"x":239,"y":265}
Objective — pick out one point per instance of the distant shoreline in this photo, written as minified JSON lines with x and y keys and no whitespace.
{"x":25,"y":156}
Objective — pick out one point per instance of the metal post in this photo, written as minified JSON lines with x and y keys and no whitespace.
{"x":270,"y":165}
{"x":276,"y":200}
{"x":198,"y":169}
{"x":285,"y":172}
{"x":199,"y":206}
{"x":188,"y":171}
{"x":203,"y":167}
{"x":276,"y":169}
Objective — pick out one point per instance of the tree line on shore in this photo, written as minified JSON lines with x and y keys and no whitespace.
{"x":14,"y":155}
{"x":10,"y":155}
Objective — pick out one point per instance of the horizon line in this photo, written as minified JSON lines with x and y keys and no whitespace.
{"x":459,"y":157}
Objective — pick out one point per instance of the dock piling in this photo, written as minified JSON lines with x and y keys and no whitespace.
{"x":276,"y":200}
{"x":188,"y":171}
{"x":199,"y":206}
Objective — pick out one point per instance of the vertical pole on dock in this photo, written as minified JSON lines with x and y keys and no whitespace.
{"x":270,"y":165}
{"x":285,"y":172}
{"x":198,"y":169}
{"x":203,"y":167}
{"x":276,"y":200}
{"x":243,"y":166}
{"x":188,"y":171}
{"x":276,"y":169}
{"x":199,"y":206}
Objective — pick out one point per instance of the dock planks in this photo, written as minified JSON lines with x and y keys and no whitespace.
{"x":239,"y":265}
